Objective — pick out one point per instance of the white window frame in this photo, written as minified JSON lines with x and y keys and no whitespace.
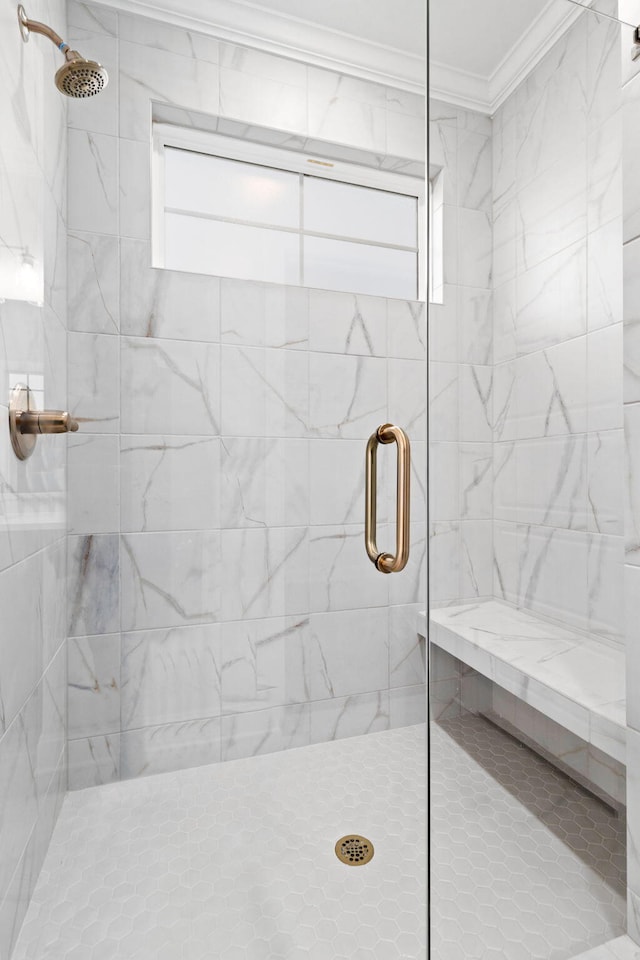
{"x":218,"y":145}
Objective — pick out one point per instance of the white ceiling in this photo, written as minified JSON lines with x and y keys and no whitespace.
{"x":476,"y":35}
{"x":393,"y":23}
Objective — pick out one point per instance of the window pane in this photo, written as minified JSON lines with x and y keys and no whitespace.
{"x":359,"y":268}
{"x":346,"y":210}
{"x":231,"y":250}
{"x":231,"y":188}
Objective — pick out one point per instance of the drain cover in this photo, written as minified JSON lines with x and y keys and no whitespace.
{"x":354,"y":851}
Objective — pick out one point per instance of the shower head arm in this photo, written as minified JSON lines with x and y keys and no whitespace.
{"x":34,"y":26}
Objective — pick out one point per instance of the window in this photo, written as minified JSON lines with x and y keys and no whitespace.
{"x":239,"y":209}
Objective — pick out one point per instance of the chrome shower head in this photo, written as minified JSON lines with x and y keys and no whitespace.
{"x":78,"y":78}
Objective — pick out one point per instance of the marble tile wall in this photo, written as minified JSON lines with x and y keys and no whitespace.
{"x":630,"y":10}
{"x":557,"y":390}
{"x":33,"y":758}
{"x":460,"y":361}
{"x":221,"y":604}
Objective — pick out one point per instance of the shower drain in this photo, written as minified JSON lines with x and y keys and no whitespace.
{"x":354,"y":850}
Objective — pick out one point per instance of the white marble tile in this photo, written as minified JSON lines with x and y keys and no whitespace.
{"x":551,"y":106}
{"x":407,"y":329}
{"x":93,"y":484}
{"x":93,"y":277}
{"x":18,"y":797}
{"x":347,"y":323}
{"x":631,"y":473}
{"x":407,"y":390}
{"x":94,"y":388}
{"x":444,"y":341}
{"x":605,"y":275}
{"x":266,"y":663}
{"x":148,"y":73}
{"x":94,"y":761}
{"x":20,"y":643}
{"x":606,"y":586}
{"x":347,"y":111}
{"x":94,"y":595}
{"x":99,"y":115}
{"x":505,"y":243}
{"x":166,"y":304}
{"x":604,"y":378}
{"x":630,"y":174}
{"x":93,"y":171}
{"x":134,"y":183}
{"x":259,"y":99}
{"x":505,"y":561}
{"x":553,"y":573}
{"x":170,"y":387}
{"x":632,"y":642}
{"x":169,"y":483}
{"x":340,"y":575}
{"x":551,"y":300}
{"x":444,"y":481}
{"x":505,"y":401}
{"x":264,"y":482}
{"x":476,"y":574}
{"x":407,"y":706}
{"x":170,"y":579}
{"x":444,"y":561}
{"x":349,"y":716}
{"x":90,"y":16}
{"x":260,"y":64}
{"x":346,"y":396}
{"x":405,"y":136}
{"x":476,"y":402}
{"x":474,"y":170}
{"x":551,"y":210}
{"x":475,"y":248}
{"x":162,"y":36}
{"x":605,"y":491}
{"x":264,"y":314}
{"x":605,"y":172}
{"x":552,"y":482}
{"x":264,"y":392}
{"x":337,"y":482}
{"x":93,"y":686}
{"x":631,"y":322}
{"x":168,"y":676}
{"x":552,"y":391}
{"x":476,"y":479}
{"x":504,"y":154}
{"x":407,"y":667}
{"x":174,"y":746}
{"x":354,"y":650}
{"x":265,"y":572}
{"x":475,"y":325}
{"x":266,"y":731}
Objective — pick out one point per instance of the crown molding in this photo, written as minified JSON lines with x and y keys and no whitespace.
{"x":238,"y":21}
{"x":486,"y":94}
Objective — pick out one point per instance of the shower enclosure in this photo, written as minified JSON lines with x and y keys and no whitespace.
{"x":216,"y":266}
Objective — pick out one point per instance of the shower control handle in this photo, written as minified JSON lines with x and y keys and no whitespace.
{"x":26,"y":423}
{"x":45,"y":421}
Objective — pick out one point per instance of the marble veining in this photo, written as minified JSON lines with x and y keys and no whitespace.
{"x":573,"y":678}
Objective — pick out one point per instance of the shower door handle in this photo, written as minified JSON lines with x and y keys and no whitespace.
{"x":387,"y":562}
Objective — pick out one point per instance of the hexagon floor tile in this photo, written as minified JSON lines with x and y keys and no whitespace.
{"x":236,"y":861}
{"x":526,"y":865}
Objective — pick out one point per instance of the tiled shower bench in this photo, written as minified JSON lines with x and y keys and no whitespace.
{"x":575,"y":680}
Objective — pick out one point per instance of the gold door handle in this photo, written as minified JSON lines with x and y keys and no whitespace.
{"x":387,"y":562}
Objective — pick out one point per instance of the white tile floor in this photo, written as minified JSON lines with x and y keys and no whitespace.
{"x":235,"y":861}
{"x":526,"y":865}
